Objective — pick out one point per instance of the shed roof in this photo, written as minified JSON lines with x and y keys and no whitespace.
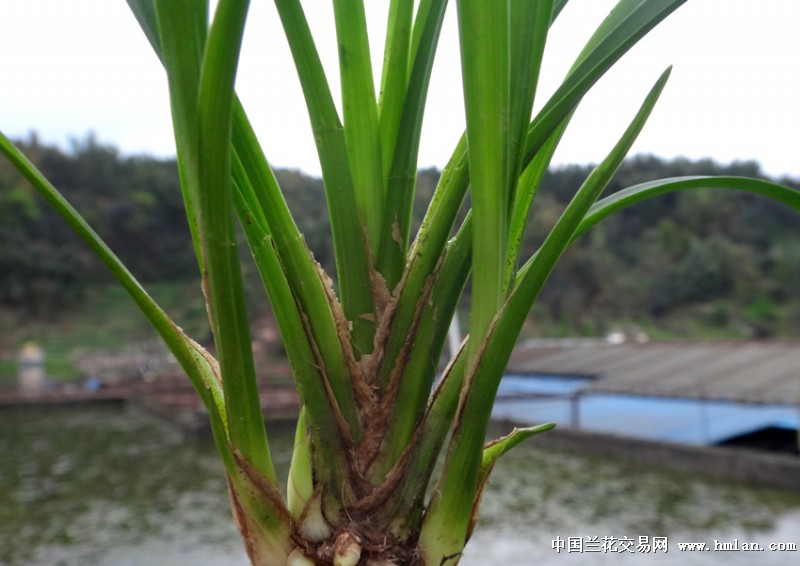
{"x":749,"y":372}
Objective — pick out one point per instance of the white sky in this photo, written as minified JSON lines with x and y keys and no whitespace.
{"x":67,"y":68}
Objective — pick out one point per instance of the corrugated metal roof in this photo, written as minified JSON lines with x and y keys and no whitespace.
{"x":747,"y":372}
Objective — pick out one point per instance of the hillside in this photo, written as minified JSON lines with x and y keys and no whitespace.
{"x":712,"y":264}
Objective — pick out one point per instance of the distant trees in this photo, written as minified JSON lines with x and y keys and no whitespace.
{"x":42,"y":266}
{"x":727,"y":260}
{"x":731,"y":260}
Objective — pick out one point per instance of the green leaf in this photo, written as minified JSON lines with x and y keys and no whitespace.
{"x":352,"y":255}
{"x":447,"y":521}
{"x":222,"y":277}
{"x":625,"y":25}
{"x":198,"y":364}
{"x":268,"y":206}
{"x":360,"y":112}
{"x":145,"y":13}
{"x":525,"y":193}
{"x":201,"y":69}
{"x":394,"y":79}
{"x":402,"y":165}
{"x":261,"y":202}
{"x":484,"y":35}
{"x":300,"y":487}
{"x":331,"y":432}
{"x":492,"y":453}
{"x":631,"y":195}
{"x":455,"y":178}
{"x":431,"y":239}
{"x":418,"y":362}
{"x":182,"y":31}
{"x":529,"y":24}
{"x":497,"y":448}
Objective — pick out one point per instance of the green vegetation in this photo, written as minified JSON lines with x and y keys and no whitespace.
{"x":635,"y":270}
{"x":363,"y":486}
{"x":90,"y":327}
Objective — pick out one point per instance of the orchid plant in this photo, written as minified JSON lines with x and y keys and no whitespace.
{"x":364,"y":486}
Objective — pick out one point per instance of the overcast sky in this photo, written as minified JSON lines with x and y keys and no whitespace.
{"x":68,"y":68}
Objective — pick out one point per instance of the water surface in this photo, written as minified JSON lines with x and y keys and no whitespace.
{"x":109,"y":486}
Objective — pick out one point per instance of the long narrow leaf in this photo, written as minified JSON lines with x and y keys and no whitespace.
{"x":222,"y":277}
{"x":631,"y":195}
{"x":198,"y":364}
{"x":145,"y":13}
{"x":425,"y":256}
{"x":394,"y":78}
{"x":352,"y":256}
{"x":360,"y":114}
{"x":626,"y":24}
{"x":266,"y":202}
{"x":441,"y":215}
{"x":529,"y":24}
{"x":182,"y":31}
{"x":322,"y":411}
{"x":405,"y":145}
{"x":420,"y":363}
{"x":447,"y":522}
{"x":483,"y":31}
{"x":523,"y":198}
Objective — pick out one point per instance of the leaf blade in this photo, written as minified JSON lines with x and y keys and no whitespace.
{"x":447,"y":522}
{"x":626,"y":24}
{"x":360,"y":114}
{"x":484,"y":40}
{"x":404,"y":139}
{"x":350,"y":246}
{"x":637,"y":193}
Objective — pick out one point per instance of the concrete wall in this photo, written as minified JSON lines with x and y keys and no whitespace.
{"x":729,"y":464}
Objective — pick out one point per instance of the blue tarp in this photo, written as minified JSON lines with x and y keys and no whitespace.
{"x":686,"y":421}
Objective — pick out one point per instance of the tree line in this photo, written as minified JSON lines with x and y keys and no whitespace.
{"x":694,"y":264}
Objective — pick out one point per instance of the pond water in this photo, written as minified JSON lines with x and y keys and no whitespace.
{"x":109,"y":486}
